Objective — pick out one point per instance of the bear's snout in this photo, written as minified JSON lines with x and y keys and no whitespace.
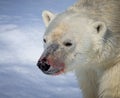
{"x":51,"y":62}
{"x":50,"y":66}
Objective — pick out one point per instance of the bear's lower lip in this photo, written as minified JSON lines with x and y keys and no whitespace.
{"x":54,"y":71}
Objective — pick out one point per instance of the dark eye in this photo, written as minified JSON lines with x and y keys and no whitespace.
{"x":44,"y":40}
{"x":67,"y":44}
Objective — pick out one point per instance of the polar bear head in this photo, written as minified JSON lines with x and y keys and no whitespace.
{"x":72,"y":40}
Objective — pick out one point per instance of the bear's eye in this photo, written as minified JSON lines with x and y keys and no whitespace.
{"x":44,"y":40}
{"x":67,"y":44}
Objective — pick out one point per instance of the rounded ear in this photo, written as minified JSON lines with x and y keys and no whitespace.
{"x":47,"y":17}
{"x":100,"y":27}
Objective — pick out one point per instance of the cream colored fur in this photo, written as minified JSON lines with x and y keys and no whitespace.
{"x":93,"y":27}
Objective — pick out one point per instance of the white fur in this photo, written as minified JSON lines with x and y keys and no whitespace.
{"x":47,"y":17}
{"x":94,"y":55}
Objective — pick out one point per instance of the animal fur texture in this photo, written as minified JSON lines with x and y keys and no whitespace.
{"x":105,"y":10}
{"x":85,"y":39}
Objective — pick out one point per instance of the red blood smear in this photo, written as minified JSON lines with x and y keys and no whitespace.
{"x":57,"y":65}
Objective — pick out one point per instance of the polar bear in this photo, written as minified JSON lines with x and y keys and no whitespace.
{"x":85,"y":38}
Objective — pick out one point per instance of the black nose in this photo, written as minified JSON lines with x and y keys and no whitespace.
{"x":43,"y":66}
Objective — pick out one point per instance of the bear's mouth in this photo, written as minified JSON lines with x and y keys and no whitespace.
{"x":54,"y":71}
{"x":51,"y":69}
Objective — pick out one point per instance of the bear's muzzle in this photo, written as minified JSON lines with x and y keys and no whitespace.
{"x":50,"y":63}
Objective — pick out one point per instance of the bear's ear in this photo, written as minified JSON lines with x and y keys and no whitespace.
{"x":47,"y":17}
{"x":100,"y":27}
